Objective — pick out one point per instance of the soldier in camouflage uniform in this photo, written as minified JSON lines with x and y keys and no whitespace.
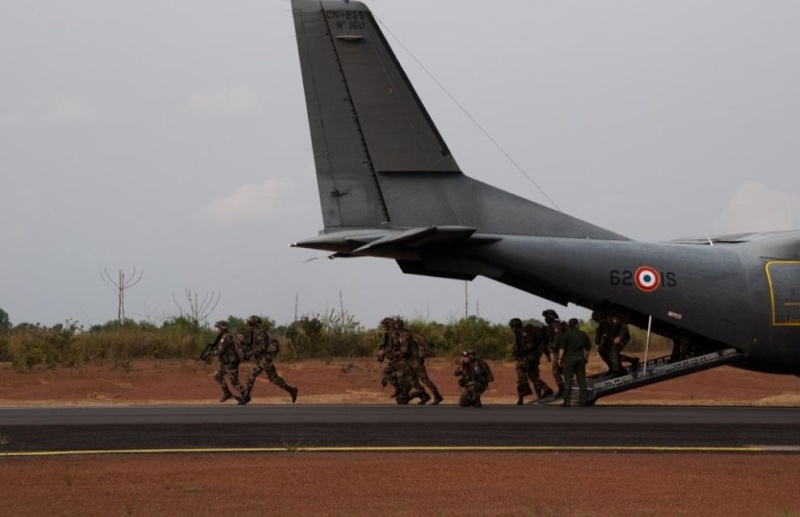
{"x":528,"y":348}
{"x":553,"y":331}
{"x":474,"y":376}
{"x":389,"y":354}
{"x":407,"y":358}
{"x":225,"y":350}
{"x":259,"y":346}
{"x":620,"y":336}
{"x":602,"y":337}
{"x":420,"y":351}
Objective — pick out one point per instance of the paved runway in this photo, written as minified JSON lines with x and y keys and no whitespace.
{"x":333,"y":426}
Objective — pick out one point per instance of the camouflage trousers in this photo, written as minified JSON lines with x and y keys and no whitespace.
{"x":265,"y":365}
{"x":391,"y":373}
{"x":407,"y":376}
{"x":231,"y":370}
{"x":472,"y":391}
{"x":616,"y":357}
{"x":527,"y":369}
{"x":604,"y":351}
{"x":421,"y":373}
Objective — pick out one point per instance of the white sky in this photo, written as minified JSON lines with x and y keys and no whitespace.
{"x":172,"y":137}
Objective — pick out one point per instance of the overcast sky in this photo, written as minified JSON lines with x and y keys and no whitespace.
{"x":172,"y":137}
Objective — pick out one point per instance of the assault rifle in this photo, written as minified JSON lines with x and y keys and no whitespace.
{"x":205,"y":355}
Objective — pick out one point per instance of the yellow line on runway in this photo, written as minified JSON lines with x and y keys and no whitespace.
{"x":510,"y":448}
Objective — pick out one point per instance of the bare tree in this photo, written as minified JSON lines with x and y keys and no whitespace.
{"x":199,"y":309}
{"x":119,"y":286}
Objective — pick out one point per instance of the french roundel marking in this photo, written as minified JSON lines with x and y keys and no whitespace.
{"x":647,"y":279}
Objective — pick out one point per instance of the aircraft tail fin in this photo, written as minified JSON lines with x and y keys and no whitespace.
{"x":379,"y":158}
{"x":365,"y":116}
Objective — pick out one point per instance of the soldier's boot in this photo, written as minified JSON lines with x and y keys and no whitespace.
{"x":522,"y":390}
{"x":402,"y":399}
{"x":526,"y":390}
{"x":546,"y":392}
{"x":397,"y":391}
{"x":560,"y":392}
{"x":423,"y":397}
{"x":226,"y":394}
{"x":292,"y":391}
{"x":437,"y":397}
{"x":477,"y":402}
{"x":635,"y":363}
{"x":244,"y":398}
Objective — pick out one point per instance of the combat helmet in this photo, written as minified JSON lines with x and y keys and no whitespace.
{"x":253,"y":320}
{"x":515,"y":322}
{"x":222,"y":325}
{"x":550,"y":312}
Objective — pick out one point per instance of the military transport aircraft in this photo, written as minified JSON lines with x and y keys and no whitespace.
{"x":389,"y":187}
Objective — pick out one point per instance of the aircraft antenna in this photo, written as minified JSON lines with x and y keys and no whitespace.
{"x":480,"y":127}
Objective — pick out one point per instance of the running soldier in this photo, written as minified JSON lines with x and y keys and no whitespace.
{"x":389,"y":353}
{"x":474,"y":376}
{"x":620,"y":336}
{"x":527,"y":352}
{"x":533,"y":341}
{"x":553,"y":331}
{"x":407,"y":356}
{"x":262,"y":349}
{"x":602,"y":338}
{"x":420,"y":352}
{"x":225,"y":350}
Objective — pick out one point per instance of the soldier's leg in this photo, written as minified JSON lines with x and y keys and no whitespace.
{"x":219,"y":378}
{"x":580,"y":371}
{"x":411,"y":383}
{"x":569,"y":372}
{"x":251,"y":380}
{"x":233,"y":371}
{"x":251,"y":377}
{"x":558,"y":374}
{"x":277,"y":380}
{"x":477,"y":390}
{"x":390,"y":374}
{"x":603,"y":350}
{"x":425,"y":380}
{"x":539,"y":386}
{"x":634,"y":361}
{"x":613,"y":357}
{"x":404,"y":383}
{"x":523,"y":388}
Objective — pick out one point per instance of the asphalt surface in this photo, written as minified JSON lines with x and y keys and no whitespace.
{"x":303,"y":426}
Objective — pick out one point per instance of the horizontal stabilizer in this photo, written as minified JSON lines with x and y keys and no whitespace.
{"x":373,"y":242}
{"x":423,"y":236}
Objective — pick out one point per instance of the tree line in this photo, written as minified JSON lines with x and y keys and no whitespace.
{"x":334,"y":334}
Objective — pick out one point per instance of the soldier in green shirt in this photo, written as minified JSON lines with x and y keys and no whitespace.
{"x":573,"y":353}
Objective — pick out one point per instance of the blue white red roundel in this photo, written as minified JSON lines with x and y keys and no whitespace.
{"x":647,"y":279}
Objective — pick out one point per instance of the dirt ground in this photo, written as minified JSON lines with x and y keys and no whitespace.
{"x":399,"y":484}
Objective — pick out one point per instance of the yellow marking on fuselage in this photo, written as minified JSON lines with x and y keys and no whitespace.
{"x":772,"y":293}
